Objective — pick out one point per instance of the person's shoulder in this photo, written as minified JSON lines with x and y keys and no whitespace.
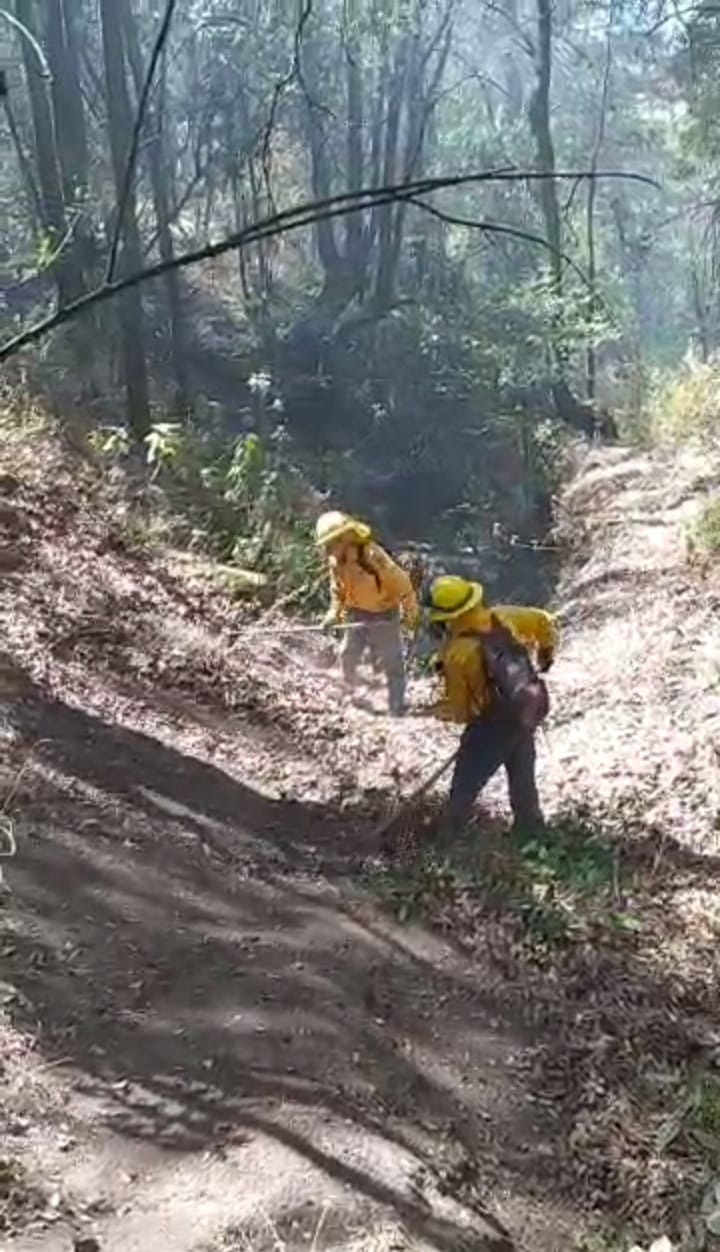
{"x":378,"y":556}
{"x":521,"y":614}
{"x":460,"y":649}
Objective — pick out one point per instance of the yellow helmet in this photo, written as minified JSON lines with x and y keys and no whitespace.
{"x":336,"y":525}
{"x":451,"y":596}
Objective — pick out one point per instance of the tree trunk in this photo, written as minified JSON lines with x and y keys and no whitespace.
{"x":72,"y":142}
{"x":385,"y":276}
{"x":700,"y":308}
{"x":539,"y":118}
{"x":421,"y":98}
{"x":157,"y":162}
{"x":355,"y":225}
{"x":120,"y":125}
{"x":591,"y":357}
{"x":54,"y":221}
{"x":27,"y":175}
{"x":67,"y":101}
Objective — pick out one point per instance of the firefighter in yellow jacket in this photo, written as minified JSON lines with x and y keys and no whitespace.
{"x":369,"y":594}
{"x":493,"y":737}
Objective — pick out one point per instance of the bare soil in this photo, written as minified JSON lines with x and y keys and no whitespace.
{"x":226,"y":1025}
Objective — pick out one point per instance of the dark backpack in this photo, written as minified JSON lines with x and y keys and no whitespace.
{"x":515,"y":685}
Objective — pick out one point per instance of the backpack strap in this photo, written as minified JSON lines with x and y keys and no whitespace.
{"x":367,"y":565}
{"x":524,"y":698}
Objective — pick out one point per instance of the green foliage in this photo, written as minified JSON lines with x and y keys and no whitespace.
{"x":111,"y":442}
{"x":704,"y":535}
{"x":415,"y":890}
{"x":166,"y":446}
{"x":242,"y":500}
{"x":547,"y":315}
{"x":696,"y":1112}
{"x":554,"y":884}
{"x":567,"y":857}
{"x":684,"y":407}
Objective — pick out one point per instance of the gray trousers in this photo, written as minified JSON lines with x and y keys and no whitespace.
{"x":380,"y":634}
{"x":488,"y":743}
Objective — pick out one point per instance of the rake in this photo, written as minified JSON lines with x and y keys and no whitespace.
{"x":409,"y":804}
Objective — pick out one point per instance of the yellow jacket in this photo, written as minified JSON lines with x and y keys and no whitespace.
{"x":466,"y":687}
{"x":367,"y":578}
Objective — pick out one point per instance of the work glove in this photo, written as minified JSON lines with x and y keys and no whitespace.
{"x":545,"y":658}
{"x":330,"y":619}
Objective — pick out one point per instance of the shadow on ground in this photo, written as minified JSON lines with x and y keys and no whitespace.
{"x":175,"y":943}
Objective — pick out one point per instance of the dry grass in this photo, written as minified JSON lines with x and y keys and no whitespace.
{"x":315,"y":1230}
{"x":622,"y":994}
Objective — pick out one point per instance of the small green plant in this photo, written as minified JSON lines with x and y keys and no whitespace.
{"x":553,"y":883}
{"x":706,"y":1109}
{"x":569,"y":857}
{"x":696,"y":1113}
{"x":241,"y":499}
{"x":685,"y":407}
{"x":413,"y":890}
{"x":167,"y":445}
{"x":111,"y":442}
{"x":703,"y":537}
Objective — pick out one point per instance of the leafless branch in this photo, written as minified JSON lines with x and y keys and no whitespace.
{"x":677,"y":15}
{"x":298,"y":218}
{"x":295,"y":73}
{"x":160,"y":41}
{"x":21,"y":28}
{"x":498,"y":228}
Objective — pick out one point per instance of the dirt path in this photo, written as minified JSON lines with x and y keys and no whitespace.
{"x":245,"y":1040}
{"x":216,"y":1035}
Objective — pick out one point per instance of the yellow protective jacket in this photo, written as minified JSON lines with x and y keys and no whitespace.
{"x":466,"y":687}
{"x":366,"y":578}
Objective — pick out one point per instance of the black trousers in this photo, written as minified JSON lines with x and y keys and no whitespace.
{"x":488,"y":743}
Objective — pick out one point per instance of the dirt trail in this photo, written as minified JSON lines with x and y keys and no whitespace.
{"x":214,"y":1033}
{"x":243,"y":1031}
{"x":215,"y":1036}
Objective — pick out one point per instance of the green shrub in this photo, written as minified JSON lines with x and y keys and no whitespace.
{"x":704,"y":535}
{"x":684,"y":408}
{"x":242,"y":500}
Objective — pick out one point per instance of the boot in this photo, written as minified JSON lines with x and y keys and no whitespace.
{"x":396,"y":696}
{"x":529,"y":827}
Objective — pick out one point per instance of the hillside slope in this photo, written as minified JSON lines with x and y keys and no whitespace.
{"x":225,"y":1025}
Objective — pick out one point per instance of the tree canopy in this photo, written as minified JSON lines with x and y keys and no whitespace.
{"x":424,"y":338}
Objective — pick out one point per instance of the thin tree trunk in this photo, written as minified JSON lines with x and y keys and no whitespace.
{"x":355,"y":224}
{"x":591,"y":356}
{"x":54,"y":221}
{"x":120,"y":131}
{"x":72,"y":142}
{"x":385,"y":277}
{"x":67,"y":102}
{"x":421,"y":98}
{"x":539,"y":118}
{"x":701,"y":313}
{"x":27,"y":175}
{"x":157,"y":163}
